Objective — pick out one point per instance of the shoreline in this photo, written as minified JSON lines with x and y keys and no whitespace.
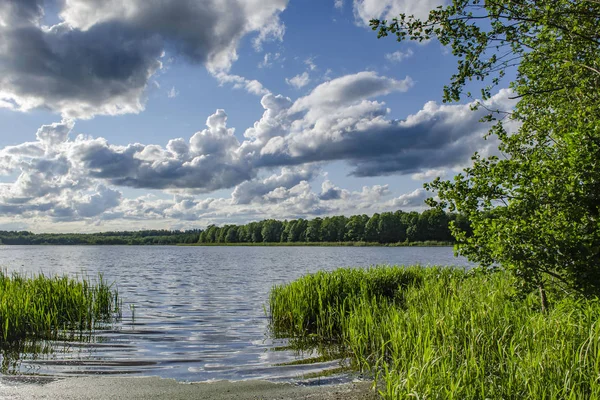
{"x":320,"y":244}
{"x":273,"y":244}
{"x":104,"y":388}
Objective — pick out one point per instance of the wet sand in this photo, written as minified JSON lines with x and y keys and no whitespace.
{"x":103,"y":388}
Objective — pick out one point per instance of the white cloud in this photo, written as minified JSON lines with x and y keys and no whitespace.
{"x":365,"y":10}
{"x":299,"y":81}
{"x":78,"y":179}
{"x":172,"y":93}
{"x":269,"y":59}
{"x":331,"y":192}
{"x":399,"y":56}
{"x":310,"y":63}
{"x":95,"y":204}
{"x":349,"y":89}
{"x":107,"y":208}
{"x":253,"y":190}
{"x":335,"y":121}
{"x":273,"y":29}
{"x":429,"y":174}
{"x":339,"y":4}
{"x":252,"y":86}
{"x":55,"y":133}
{"x":415,"y":199}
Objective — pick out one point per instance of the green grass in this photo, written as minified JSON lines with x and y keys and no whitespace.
{"x":428,"y":243}
{"x":443,"y":333}
{"x":41,"y":307}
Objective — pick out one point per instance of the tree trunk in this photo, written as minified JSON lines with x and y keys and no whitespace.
{"x":543,"y":297}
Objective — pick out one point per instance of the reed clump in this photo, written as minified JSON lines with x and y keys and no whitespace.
{"x":318,"y":304}
{"x":445,"y":333}
{"x":41,"y":307}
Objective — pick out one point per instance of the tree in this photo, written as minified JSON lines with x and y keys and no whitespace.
{"x":211,"y":233}
{"x":255,"y":232}
{"x":435,"y":225}
{"x":232,"y":234}
{"x":313,"y":230}
{"x":399,"y":216}
{"x":411,"y":222}
{"x":328,"y":231}
{"x":340,"y":222}
{"x":333,"y":229}
{"x":388,"y":228}
{"x":355,"y":228}
{"x":287,"y":227}
{"x":243,"y":235}
{"x":372,"y":229}
{"x":222,"y":234}
{"x":534,"y":210}
{"x":298,"y":231}
{"x":271,"y":230}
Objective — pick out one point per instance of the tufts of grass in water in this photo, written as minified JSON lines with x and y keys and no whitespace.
{"x":446,"y":333}
{"x":41,"y":307}
{"x":317,"y":304}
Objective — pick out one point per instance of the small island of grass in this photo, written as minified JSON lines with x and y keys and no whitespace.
{"x":41,"y":307}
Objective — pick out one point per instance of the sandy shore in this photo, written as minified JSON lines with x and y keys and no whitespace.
{"x":101,"y":388}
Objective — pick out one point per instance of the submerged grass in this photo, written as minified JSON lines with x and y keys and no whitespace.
{"x":443,"y":333}
{"x":41,"y":307}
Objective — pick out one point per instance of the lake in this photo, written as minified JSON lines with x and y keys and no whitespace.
{"x":199,"y":311}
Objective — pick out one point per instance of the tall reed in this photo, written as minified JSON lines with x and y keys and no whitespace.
{"x":318,"y":303}
{"x":448,"y":334}
{"x":44,"y":307}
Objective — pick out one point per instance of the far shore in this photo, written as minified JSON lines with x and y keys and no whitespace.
{"x":327,"y":244}
{"x":261,"y":244}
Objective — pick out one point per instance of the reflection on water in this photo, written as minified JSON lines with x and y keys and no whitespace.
{"x":11,"y":354}
{"x":199,"y":311}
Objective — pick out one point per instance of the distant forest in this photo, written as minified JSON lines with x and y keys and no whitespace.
{"x":385,"y":228}
{"x":147,"y":237}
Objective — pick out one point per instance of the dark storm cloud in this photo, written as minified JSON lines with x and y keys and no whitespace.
{"x":20,"y":12}
{"x":196,"y":29}
{"x":212,"y":177}
{"x":78,"y":73}
{"x":21,"y":209}
{"x":401,"y":148}
{"x":438,"y":136}
{"x":100,"y":58}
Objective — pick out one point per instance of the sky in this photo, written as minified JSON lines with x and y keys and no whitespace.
{"x":147,"y":114}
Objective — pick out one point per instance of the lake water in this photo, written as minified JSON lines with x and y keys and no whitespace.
{"x":199,"y":311}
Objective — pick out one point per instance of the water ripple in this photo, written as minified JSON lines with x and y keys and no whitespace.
{"x":198,"y":311}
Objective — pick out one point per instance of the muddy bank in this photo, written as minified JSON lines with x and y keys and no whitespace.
{"x":100,"y":388}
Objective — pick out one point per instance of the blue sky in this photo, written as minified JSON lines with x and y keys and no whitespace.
{"x":136,"y":114}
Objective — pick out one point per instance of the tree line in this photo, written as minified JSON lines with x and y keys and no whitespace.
{"x":146,"y":237}
{"x":384,"y":228}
